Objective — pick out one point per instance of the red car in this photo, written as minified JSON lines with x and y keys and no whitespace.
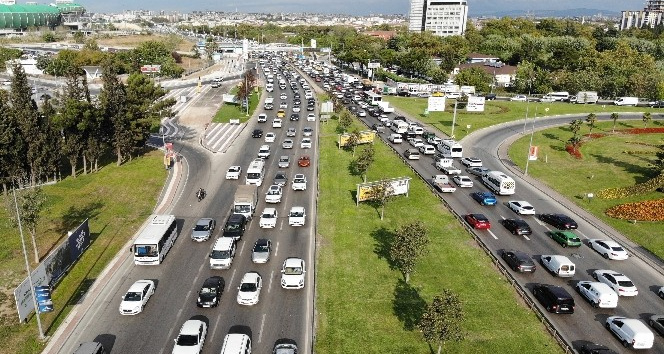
{"x":304,"y":161}
{"x":478,"y":221}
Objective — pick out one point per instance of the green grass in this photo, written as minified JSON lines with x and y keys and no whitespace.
{"x":604,"y":165}
{"x":229,"y":111}
{"x":363,"y":303}
{"x":116,"y":199}
{"x":495,"y":112}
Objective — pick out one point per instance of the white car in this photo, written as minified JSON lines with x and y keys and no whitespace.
{"x":283,"y":105}
{"x":191,"y":338}
{"x":137,"y":297}
{"x":262,"y":118}
{"x":416,"y":142}
{"x":283,"y":96}
{"x":297,"y":216}
{"x":463,"y":181}
{"x":361,"y":113}
{"x":299,"y":182}
{"x":427,"y":149}
{"x":617,"y":281}
{"x":471,"y":162}
{"x":274,"y":194}
{"x":233,"y":172}
{"x":521,"y":207}
{"x":311,"y":117}
{"x":609,"y":249}
{"x":307,"y":131}
{"x":292,"y":273}
{"x":287,"y":144}
{"x":296,"y":109}
{"x":519,"y":98}
{"x":264,"y":151}
{"x":276,"y":123}
{"x":291,"y":132}
{"x":269,"y":137}
{"x":395,"y":138}
{"x":268,"y":218}
{"x":305,"y":143}
{"x":249,"y":290}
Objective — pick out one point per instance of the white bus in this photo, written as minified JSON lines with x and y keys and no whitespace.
{"x":450,"y":148}
{"x":256,"y":172}
{"x":499,"y":182}
{"x":155,"y":240}
{"x":373,"y":98}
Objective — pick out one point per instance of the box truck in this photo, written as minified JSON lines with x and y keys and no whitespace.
{"x":246,"y":198}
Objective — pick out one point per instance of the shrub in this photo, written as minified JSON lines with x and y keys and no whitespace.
{"x":641,"y":188}
{"x":649,"y":210}
{"x":573,"y":149}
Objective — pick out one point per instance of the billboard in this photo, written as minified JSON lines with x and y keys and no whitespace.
{"x":313,"y":43}
{"x":436,"y":104}
{"x":52,"y":268}
{"x":399,"y":186}
{"x":366,"y":137}
{"x":532,"y":153}
{"x":475,"y":104}
{"x":146,"y":69}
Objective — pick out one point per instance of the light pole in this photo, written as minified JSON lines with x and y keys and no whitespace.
{"x":454,"y":117}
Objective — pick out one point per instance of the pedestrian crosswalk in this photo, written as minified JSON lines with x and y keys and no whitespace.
{"x":218,"y":137}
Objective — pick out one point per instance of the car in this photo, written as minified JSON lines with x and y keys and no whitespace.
{"x":292,"y":273}
{"x":477,"y":171}
{"x":311,"y":107}
{"x":262,"y":118}
{"x":361,"y":113}
{"x":559,"y":221}
{"x":261,"y":251}
{"x":304,"y":161}
{"x":307,"y":131}
{"x":478,"y":221}
{"x":553,"y":298}
{"x":210,"y":292}
{"x":484,"y":198}
{"x":283,"y":105}
{"x":281,"y":113}
{"x":191,"y":337}
{"x":427,"y":149}
{"x":203,"y":229}
{"x":471,"y":162}
{"x":283,"y":96}
{"x":565,"y":238}
{"x":594,"y":348}
{"x":276,"y":123}
{"x":257,"y":133}
{"x":657,"y":323}
{"x":296,"y":109}
{"x":268,"y":218}
{"x":297,"y":216}
{"x":134,"y":300}
{"x":305,"y":143}
{"x":463,"y":181}
{"x":620,"y":283}
{"x":284,"y":348}
{"x":415,"y":142}
{"x":519,"y":98}
{"x":273,"y":194}
{"x":280,"y":178}
{"x":233,"y":172}
{"x":412,"y":154}
{"x":291,"y":132}
{"x":235,"y":226}
{"x":517,"y":226}
{"x":268,"y":106}
{"x":299,"y":182}
{"x":395,"y":138}
{"x":249,"y":290}
{"x":269,"y":137}
{"x":311,"y":117}
{"x":287,"y":144}
{"x":609,"y":249}
{"x":518,"y":261}
{"x":660,"y":292}
{"x":597,"y":294}
{"x":521,"y":207}
{"x":284,"y":161}
{"x":264,"y":151}
{"x":631,"y":332}
{"x":294,"y":117}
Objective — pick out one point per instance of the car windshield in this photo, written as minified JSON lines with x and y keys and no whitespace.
{"x":299,"y":180}
{"x":617,"y":249}
{"x":248,"y":287}
{"x":208,"y":290}
{"x":273,"y":192}
{"x":267,"y":216}
{"x":220,"y":254}
{"x":187,"y":340}
{"x":204,"y":227}
{"x":260,"y":248}
{"x":232,"y":227}
{"x":242,"y":209}
{"x":132,"y":296}
{"x":146,"y":250}
{"x":297,"y":214}
{"x":293,"y":271}
{"x":574,"y":239}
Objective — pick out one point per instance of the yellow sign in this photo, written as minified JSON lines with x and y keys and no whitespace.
{"x":365,"y":137}
{"x":397,"y":186}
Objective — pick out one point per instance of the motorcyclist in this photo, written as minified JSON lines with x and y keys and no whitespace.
{"x":200,"y":194}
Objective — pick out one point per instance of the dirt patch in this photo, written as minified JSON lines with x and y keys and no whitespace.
{"x":133,"y":41}
{"x":197,"y":116}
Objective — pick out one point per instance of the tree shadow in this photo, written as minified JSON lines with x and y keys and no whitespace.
{"x":552,"y":136}
{"x":77,"y":214}
{"x":353,"y":169}
{"x":643,"y":172}
{"x":408,"y":305}
{"x":384,"y":239}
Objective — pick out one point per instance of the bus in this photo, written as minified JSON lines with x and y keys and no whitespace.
{"x":373,"y":98}
{"x":256,"y":172}
{"x":450,"y":148}
{"x":155,"y":240}
{"x":499,"y":183}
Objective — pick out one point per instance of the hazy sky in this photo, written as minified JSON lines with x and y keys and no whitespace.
{"x":363,"y":7}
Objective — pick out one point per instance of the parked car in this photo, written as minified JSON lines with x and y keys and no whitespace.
{"x":478,"y":221}
{"x":191,"y":337}
{"x":559,"y":221}
{"x":210,"y":292}
{"x":620,"y":283}
{"x":134,"y":300}
{"x":519,"y":261}
{"x":484,"y":198}
{"x":261,"y":251}
{"x":517,"y":226}
{"x":233,"y":172}
{"x":521,"y":207}
{"x":609,"y":249}
{"x":565,"y":238}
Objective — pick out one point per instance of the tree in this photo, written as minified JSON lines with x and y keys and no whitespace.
{"x":345,"y":120}
{"x":410,"y":242}
{"x":441,"y":322}
{"x":591,"y":119}
{"x":646,"y":118}
{"x":112,"y":107}
{"x":474,"y":76}
{"x":79,"y":37}
{"x":30,"y":205}
{"x":11,"y":144}
{"x":380,"y":194}
{"x":364,"y":160}
{"x":352,"y":141}
{"x":575,"y":126}
{"x":614,"y":117}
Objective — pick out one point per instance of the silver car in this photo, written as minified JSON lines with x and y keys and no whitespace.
{"x":261,"y":251}
{"x":284,"y":161}
{"x":203,"y":229}
{"x":291,"y":132}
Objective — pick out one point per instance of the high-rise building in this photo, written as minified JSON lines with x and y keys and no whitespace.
{"x":652,"y":15}
{"x":442,"y":17}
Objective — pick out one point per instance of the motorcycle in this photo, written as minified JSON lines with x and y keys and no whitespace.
{"x":200,"y":194}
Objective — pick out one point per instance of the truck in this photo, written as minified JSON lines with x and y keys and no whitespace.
{"x":442,"y":184}
{"x":445,"y":165}
{"x":246,"y":198}
{"x":626,"y":101}
{"x":584,"y":97}
{"x":385,"y":107}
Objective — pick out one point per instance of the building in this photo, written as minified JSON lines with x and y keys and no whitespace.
{"x":441,"y":17}
{"x":652,"y":15}
{"x":502,"y":74}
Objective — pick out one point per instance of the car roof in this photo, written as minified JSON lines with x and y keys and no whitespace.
{"x":299,"y":175}
{"x":139,"y":285}
{"x":293,"y":262}
{"x":262,"y":242}
{"x":249,"y":277}
{"x":236,"y":217}
{"x":212,"y":281}
{"x":191,"y":327}
{"x":203,"y":221}
{"x":297,"y":208}
{"x":269,"y":210}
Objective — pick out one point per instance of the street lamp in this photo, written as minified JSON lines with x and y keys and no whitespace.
{"x":454,"y":117}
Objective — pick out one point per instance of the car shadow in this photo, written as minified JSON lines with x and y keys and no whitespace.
{"x":107,"y":341}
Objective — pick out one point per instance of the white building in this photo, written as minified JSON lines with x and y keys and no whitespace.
{"x":441,"y":17}
{"x":652,"y":15}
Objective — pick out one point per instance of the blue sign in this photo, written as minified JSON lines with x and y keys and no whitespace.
{"x":43,"y":295}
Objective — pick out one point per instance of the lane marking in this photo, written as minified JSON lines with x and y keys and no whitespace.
{"x":526,"y":237}
{"x":492,"y":234}
{"x":269,"y":286}
{"x":582,"y":234}
{"x":260,"y":333}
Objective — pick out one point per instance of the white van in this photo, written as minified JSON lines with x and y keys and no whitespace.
{"x":631,"y":332}
{"x":222,"y":253}
{"x":598,"y":294}
{"x":626,"y":101}
{"x":236,"y":343}
{"x":558,"y":265}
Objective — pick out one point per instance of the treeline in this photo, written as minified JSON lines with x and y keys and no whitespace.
{"x":551,"y":54}
{"x":73,"y":127}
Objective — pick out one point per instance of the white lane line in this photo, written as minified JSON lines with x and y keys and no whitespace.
{"x":492,"y":234}
{"x":260,"y":333}
{"x":526,"y":237}
{"x":232,"y":277}
{"x":269,"y":286}
{"x":582,"y":234}
{"x":276,"y":250}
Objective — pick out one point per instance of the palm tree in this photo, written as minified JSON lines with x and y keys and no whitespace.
{"x":615,"y":117}
{"x":646,"y":118}
{"x":591,"y":119}
{"x":575,"y":126}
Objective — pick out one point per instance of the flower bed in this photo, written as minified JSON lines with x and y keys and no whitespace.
{"x":649,"y":210}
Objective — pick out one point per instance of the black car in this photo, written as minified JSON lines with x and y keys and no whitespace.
{"x":403,"y":93}
{"x":210,"y":292}
{"x":518,"y":261}
{"x":517,"y":226}
{"x":294,"y":117}
{"x":559,"y":221}
{"x":656,"y":104}
{"x":490,"y":96}
{"x":311,"y":108}
{"x":554,"y":298}
{"x":235,"y":226}
{"x":375,"y":113}
{"x":297,"y":102}
{"x":593,"y":348}
{"x":257,"y":133}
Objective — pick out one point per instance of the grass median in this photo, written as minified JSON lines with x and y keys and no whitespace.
{"x":229,"y":111}
{"x":604,"y":164}
{"x":364,"y":304}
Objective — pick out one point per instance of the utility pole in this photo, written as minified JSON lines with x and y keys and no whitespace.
{"x":530,"y":145}
{"x":454,"y":118}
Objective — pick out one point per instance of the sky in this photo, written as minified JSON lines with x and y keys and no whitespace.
{"x":351,"y":7}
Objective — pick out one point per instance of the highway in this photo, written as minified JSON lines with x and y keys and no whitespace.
{"x":280,"y":314}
